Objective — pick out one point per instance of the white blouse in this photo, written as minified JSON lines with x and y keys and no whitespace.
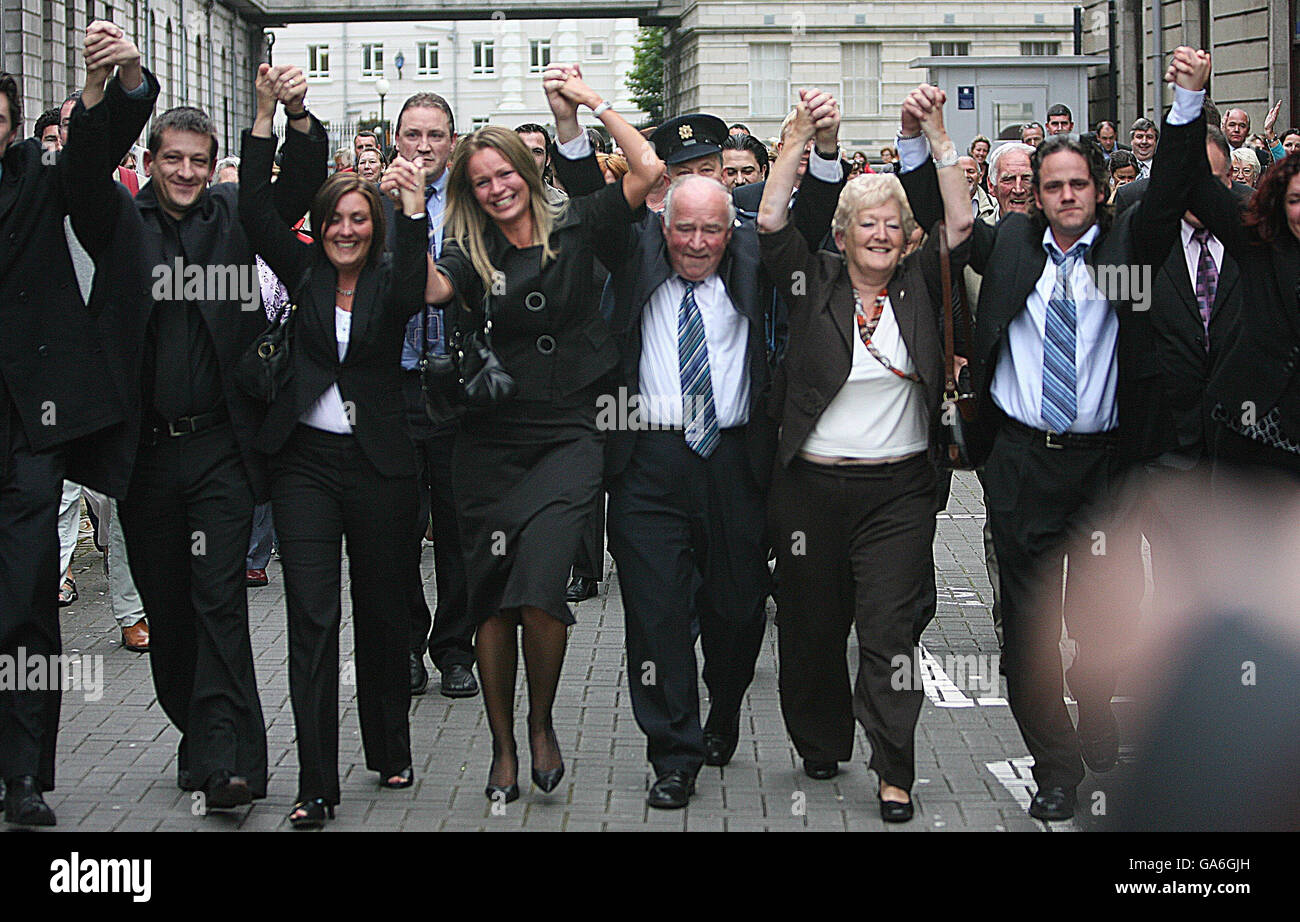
{"x":876,"y":413}
{"x":328,"y":412}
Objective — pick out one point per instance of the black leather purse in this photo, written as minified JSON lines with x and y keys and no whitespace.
{"x":469,"y":376}
{"x":264,"y":369}
{"x":957,"y":409}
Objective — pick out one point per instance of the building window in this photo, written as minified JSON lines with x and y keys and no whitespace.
{"x":318,"y":62}
{"x":596,"y":50}
{"x":427,"y":62}
{"x":949,"y":49}
{"x":1040,"y":47}
{"x":860,"y":71}
{"x":372,"y":59}
{"x":769,"y":79}
{"x":485,"y":58}
{"x":539,"y":55}
{"x":476,"y":124}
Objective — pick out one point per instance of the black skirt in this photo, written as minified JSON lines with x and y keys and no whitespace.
{"x":525,"y":477}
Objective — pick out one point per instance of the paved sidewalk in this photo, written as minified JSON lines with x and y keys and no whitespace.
{"x":117,"y":754}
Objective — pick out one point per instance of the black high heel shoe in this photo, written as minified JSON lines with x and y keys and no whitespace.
{"x":407,"y":775}
{"x":891,"y":811}
{"x":314,"y":813}
{"x":501,"y":793}
{"x":548,"y":779}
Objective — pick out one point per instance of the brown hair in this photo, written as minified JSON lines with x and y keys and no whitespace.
{"x":326,"y":203}
{"x":1265,"y":217}
{"x":615,"y":163}
{"x":465,"y":220}
{"x":9,"y":87}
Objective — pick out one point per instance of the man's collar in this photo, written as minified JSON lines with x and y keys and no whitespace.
{"x":1089,"y":236}
{"x":438,"y":185}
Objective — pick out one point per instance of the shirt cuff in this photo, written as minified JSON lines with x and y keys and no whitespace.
{"x":139,"y":92}
{"x":575,"y":148}
{"x":823,"y":169}
{"x":912,"y":152}
{"x":1187,"y":106}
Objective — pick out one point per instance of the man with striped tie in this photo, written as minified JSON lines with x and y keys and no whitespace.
{"x":1067,"y":392}
{"x":688,"y":472}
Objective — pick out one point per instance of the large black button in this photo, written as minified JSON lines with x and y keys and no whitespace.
{"x":42,"y":351}
{"x":546,"y":344}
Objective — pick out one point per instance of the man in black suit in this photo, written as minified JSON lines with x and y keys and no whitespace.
{"x":688,"y":476}
{"x":1067,"y":398}
{"x":426,"y":129}
{"x":61,"y":411}
{"x":188,"y":510}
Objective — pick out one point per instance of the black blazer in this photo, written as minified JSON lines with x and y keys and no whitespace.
{"x":387,"y":294}
{"x":212,"y":235}
{"x":1011,"y":259}
{"x":823,"y":331}
{"x":1131,"y":193}
{"x":59,"y":356}
{"x":645,"y":267}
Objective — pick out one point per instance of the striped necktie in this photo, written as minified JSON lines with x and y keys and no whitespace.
{"x":1060,"y":400}
{"x":699,"y":416}
{"x":1207,"y":280}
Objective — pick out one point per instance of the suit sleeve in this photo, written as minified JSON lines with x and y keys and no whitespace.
{"x":606,"y":221}
{"x":302,"y":173}
{"x":127,"y":115}
{"x":410,"y":265}
{"x":272,"y":239}
{"x":1180,"y":152}
{"x":814,"y":206}
{"x":579,"y":177}
{"x":790,"y":264}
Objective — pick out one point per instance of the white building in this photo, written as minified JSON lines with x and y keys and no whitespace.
{"x":490,"y":71}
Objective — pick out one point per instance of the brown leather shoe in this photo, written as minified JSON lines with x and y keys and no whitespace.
{"x":136,"y":637}
{"x":256,"y":578}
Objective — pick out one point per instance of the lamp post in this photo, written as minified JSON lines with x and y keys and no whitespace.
{"x":382,"y":87}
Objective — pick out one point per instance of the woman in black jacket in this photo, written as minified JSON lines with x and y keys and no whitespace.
{"x":1254,"y":394}
{"x":852,"y":500}
{"x":341,"y":462}
{"x":527,"y":473}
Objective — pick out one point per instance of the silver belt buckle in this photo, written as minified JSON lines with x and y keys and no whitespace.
{"x":171,"y":427}
{"x":1051,"y":440}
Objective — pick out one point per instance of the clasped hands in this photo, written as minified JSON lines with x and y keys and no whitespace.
{"x":284,"y":84}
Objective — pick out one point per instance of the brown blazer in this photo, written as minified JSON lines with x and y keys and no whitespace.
{"x":822,"y":329}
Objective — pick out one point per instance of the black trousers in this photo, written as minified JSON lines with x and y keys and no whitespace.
{"x":30,"y":485}
{"x":688,"y":537}
{"x":1041,"y":500}
{"x":448,"y":632}
{"x":590,"y":562}
{"x":854,"y":545}
{"x":186,"y":519}
{"x":322,"y":489}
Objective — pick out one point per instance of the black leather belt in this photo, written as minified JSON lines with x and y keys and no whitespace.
{"x":1064,"y":439}
{"x":187,"y":425}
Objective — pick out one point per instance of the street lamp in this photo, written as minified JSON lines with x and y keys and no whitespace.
{"x":382,"y":87}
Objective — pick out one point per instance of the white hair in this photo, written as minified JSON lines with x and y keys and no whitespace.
{"x":689,"y":178}
{"x":1003,"y":149}
{"x":1248,"y":157}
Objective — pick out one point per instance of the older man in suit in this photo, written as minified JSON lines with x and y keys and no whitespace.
{"x":688,"y":479}
{"x":1065,"y":388}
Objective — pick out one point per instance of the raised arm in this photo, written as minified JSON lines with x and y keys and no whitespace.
{"x":411,"y":268}
{"x":580,"y":174}
{"x":925,"y":103}
{"x":644,"y":167}
{"x":306,"y":146}
{"x":774,"y":209}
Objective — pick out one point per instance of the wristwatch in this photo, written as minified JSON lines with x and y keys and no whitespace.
{"x":600,"y":110}
{"x":949,"y":159}
{"x":294,"y":116}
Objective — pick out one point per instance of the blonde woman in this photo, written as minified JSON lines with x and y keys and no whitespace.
{"x":526,"y":473}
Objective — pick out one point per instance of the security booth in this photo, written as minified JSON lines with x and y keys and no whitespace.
{"x":989,"y":94}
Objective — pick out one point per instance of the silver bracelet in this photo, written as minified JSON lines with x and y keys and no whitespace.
{"x":602,"y":108}
{"x":950,"y":159}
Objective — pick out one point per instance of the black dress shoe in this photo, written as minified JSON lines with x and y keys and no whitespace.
{"x":719,"y":748}
{"x":821,"y":771}
{"x":24,"y":805}
{"x":225,"y":791}
{"x":1052,"y":804}
{"x":502,"y":793}
{"x":419,"y":675}
{"x":581,"y":588}
{"x":406,"y":776}
{"x":458,"y":682}
{"x":671,"y":791}
{"x":891,"y":811}
{"x":1099,"y":739}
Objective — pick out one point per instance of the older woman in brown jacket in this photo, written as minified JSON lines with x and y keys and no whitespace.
{"x":852,"y":502}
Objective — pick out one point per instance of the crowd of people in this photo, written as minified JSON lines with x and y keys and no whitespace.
{"x":781,"y":322}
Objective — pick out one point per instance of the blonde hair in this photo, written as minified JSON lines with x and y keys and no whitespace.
{"x":868,"y":191}
{"x":465,"y":221}
{"x":615,"y":163}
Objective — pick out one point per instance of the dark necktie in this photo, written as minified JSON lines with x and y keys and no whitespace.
{"x":1207,"y":280}
{"x":699,"y":416}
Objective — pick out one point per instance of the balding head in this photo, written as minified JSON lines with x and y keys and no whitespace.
{"x":697,"y":220}
{"x":1236,"y":125}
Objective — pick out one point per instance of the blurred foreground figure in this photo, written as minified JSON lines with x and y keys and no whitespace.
{"x":1218,"y":721}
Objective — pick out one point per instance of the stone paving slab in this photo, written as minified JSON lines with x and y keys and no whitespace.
{"x":117,"y":754}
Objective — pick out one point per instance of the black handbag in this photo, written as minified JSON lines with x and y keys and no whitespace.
{"x":957,"y":409}
{"x":469,"y":376}
{"x":264,"y":368}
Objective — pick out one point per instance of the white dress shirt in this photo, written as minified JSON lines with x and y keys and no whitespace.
{"x":726,"y":334}
{"x":328,"y":412}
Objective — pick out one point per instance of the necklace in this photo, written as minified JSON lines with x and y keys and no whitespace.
{"x":346,"y":292}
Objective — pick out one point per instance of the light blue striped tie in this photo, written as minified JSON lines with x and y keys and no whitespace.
{"x":1060,"y":401}
{"x":699,"y":416}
